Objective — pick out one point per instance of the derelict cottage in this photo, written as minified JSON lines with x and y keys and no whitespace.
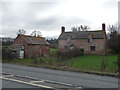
{"x":93,"y":42}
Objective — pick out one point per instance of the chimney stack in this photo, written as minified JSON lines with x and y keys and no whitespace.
{"x":62,"y":29}
{"x":103,"y":26}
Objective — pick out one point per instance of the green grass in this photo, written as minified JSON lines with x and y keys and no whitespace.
{"x":93,"y":63}
{"x":42,"y":60}
{"x":22,"y":61}
{"x":49,"y":60}
{"x":53,"y":50}
{"x":83,"y":63}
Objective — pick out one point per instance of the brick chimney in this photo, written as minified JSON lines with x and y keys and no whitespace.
{"x":103,"y":26}
{"x":62,"y":29}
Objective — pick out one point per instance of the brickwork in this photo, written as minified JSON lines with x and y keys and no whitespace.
{"x":83,"y":43}
{"x":31,"y":50}
{"x":37,"y":50}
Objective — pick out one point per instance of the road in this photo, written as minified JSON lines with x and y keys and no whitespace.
{"x":33,"y":77}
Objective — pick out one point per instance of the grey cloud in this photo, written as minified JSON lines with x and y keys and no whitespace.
{"x":110,"y":3}
{"x":76,"y":21}
{"x":27,"y":14}
{"x":12,"y":21}
{"x":56,"y":21}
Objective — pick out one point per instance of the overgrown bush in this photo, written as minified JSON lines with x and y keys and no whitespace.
{"x":81,"y":51}
{"x":43,"y":60}
{"x":118,"y":63}
{"x":35,"y":61}
{"x":113,"y":37}
{"x":7,"y":54}
{"x":53,"y":52}
{"x":70,"y":53}
{"x":103,"y":65}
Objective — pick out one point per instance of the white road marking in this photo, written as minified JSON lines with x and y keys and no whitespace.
{"x":30,"y":77}
{"x":26,"y":77}
{"x":59,"y":83}
{"x":43,"y":86}
{"x":7,"y":75}
{"x":37,"y":81}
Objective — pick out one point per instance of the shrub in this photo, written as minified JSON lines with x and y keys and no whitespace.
{"x":118,"y":64}
{"x":70,"y":53}
{"x":53,"y":52}
{"x":35,"y":61}
{"x":81,"y":51}
{"x":103,"y":65}
{"x":7,"y":54}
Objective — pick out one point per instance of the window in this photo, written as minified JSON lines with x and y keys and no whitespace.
{"x":68,"y":40}
{"x":66,"y":47}
{"x":22,"y":47}
{"x":89,"y":40}
{"x":92,"y":48}
{"x":72,"y":47}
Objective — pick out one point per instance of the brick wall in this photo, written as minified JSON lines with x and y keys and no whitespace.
{"x":20,"y":41}
{"x":31,"y":50}
{"x":83,"y":43}
{"x":37,"y":50}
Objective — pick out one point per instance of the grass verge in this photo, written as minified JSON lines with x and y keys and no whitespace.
{"x":89,"y":64}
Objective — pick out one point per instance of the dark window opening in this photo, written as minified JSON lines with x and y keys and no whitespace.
{"x":92,"y":48}
{"x":66,"y":46}
{"x":71,"y":45}
{"x":14,"y":51}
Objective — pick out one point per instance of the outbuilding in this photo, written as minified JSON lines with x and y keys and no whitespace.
{"x":25,"y":46}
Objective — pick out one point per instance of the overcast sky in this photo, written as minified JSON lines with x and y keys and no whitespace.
{"x":47,"y":16}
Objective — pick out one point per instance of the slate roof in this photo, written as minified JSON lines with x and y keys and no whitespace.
{"x":34,"y":40}
{"x":98,"y":34}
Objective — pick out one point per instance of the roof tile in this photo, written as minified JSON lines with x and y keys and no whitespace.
{"x":82,"y":34}
{"x":34,"y":40}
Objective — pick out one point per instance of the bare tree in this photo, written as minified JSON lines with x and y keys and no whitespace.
{"x":21,"y":31}
{"x":113,"y":41}
{"x":81,"y":28}
{"x":36,"y":33}
{"x":74,"y":29}
{"x":112,"y":28}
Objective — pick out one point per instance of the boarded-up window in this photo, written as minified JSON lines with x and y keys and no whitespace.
{"x":89,"y":40}
{"x":92,"y":48}
{"x":68,"y":40}
{"x":31,"y":52}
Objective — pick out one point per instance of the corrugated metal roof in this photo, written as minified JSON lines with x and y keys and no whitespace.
{"x":82,"y":34}
{"x":34,"y":40}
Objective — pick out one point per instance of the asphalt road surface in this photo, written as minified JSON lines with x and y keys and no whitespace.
{"x":17,"y":76}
